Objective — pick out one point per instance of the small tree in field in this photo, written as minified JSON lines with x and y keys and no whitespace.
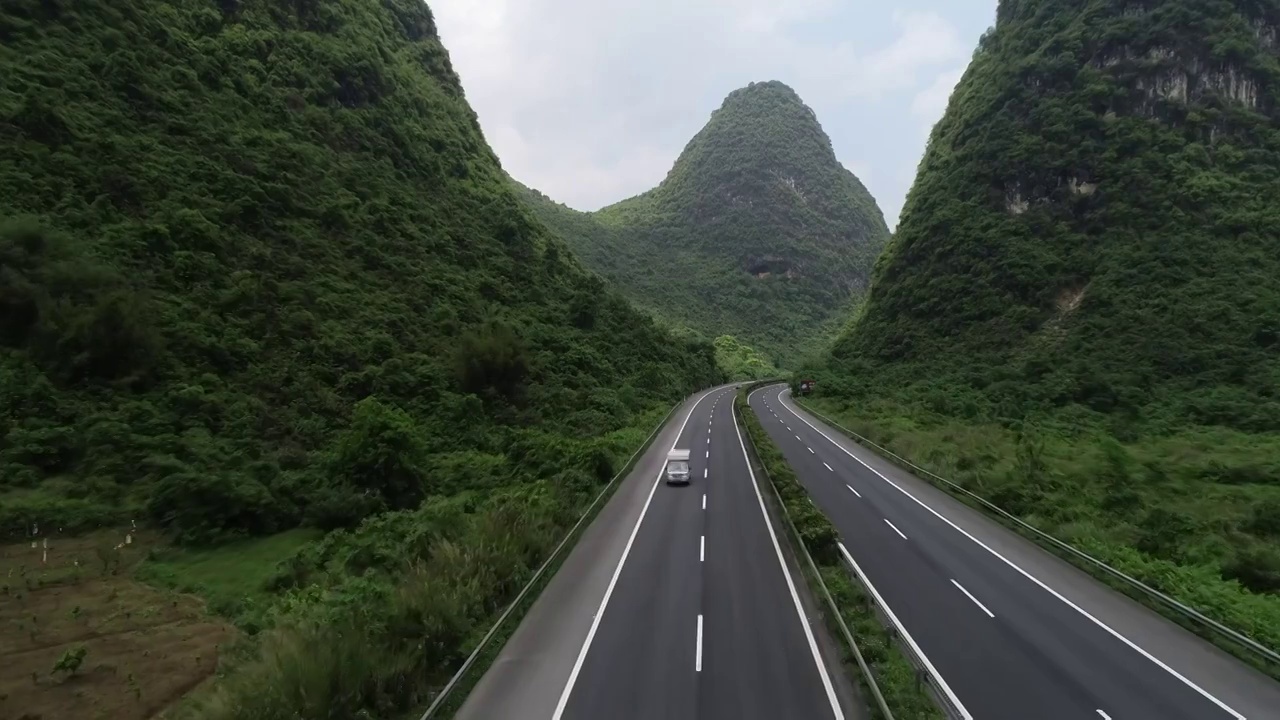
{"x":71,"y":660}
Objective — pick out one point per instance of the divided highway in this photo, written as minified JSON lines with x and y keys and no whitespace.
{"x":677,"y":603}
{"x":1014,"y":632}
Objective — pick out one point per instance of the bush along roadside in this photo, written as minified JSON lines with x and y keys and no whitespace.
{"x":373,"y":621}
{"x":886,"y":676}
{"x":1197,"y":587}
{"x":488,"y":649}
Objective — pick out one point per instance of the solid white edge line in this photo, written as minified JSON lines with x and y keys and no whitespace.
{"x":902,"y":630}
{"x":1107,"y":628}
{"x":613,"y":581}
{"x":855,"y":492}
{"x":971,"y":597}
{"x":895,"y":528}
{"x":702,"y":548}
{"x":786,"y":574}
{"x":829,"y":468}
{"x":697,"y":658}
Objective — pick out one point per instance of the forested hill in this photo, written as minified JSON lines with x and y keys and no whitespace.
{"x":258,"y":267}
{"x":1093,"y":226}
{"x":757,"y":232}
{"x":1079,"y":313}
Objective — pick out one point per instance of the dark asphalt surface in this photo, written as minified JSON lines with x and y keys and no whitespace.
{"x":718,"y":561}
{"x":1006,"y":646}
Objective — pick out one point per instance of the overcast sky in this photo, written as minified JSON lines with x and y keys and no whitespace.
{"x":591,"y":101}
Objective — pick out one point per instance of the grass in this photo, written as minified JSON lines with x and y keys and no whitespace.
{"x":230,"y":576}
{"x":1177,"y":512}
{"x":891,"y":670}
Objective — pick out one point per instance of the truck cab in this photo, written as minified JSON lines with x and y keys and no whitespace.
{"x":677,"y":467}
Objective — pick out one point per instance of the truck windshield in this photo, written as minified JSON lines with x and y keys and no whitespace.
{"x":678,"y":466}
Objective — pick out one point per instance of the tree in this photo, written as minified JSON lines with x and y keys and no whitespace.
{"x":383,"y":455}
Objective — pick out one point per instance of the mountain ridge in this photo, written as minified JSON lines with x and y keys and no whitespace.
{"x":1132,"y":90}
{"x":1078,"y":316}
{"x":757,"y":212}
{"x":259,"y":270}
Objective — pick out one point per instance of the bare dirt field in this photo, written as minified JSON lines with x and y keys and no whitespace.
{"x":143,"y":648}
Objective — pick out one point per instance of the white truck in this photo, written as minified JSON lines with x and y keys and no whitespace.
{"x":678,"y":467}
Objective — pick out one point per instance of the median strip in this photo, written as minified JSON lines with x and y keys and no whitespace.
{"x":887,"y":677}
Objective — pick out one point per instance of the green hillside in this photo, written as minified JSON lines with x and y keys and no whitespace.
{"x":757,"y":232}
{"x":259,"y":269}
{"x":1079,"y":312}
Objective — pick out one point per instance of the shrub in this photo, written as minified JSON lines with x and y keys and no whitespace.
{"x":381,"y":456}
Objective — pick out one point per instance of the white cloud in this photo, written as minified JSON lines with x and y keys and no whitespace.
{"x":930,"y":102}
{"x":591,"y":102}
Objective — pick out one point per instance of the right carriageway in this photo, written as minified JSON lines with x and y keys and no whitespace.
{"x":1013,"y":632}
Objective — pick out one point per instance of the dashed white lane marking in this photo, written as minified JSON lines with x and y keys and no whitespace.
{"x":704,"y":473}
{"x":613,"y":581}
{"x":1104,"y":715}
{"x":811,"y":452}
{"x":708,"y":453}
{"x":697,"y":659}
{"x":971,"y":597}
{"x":855,"y":492}
{"x":704,"y":501}
{"x":702,"y":549}
{"x":895,"y":528}
{"x":828,"y":467}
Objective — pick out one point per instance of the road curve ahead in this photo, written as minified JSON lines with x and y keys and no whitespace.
{"x":1014,"y":632}
{"x":676,"y":603}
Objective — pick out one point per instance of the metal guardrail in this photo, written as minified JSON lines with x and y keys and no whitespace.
{"x":813,"y":567}
{"x":588,"y":513}
{"x":1187,"y":611}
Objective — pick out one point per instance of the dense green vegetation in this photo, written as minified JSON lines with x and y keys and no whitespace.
{"x":1079,"y":314}
{"x":259,"y":270}
{"x":893,"y":672}
{"x":741,"y":362}
{"x":757,"y":232}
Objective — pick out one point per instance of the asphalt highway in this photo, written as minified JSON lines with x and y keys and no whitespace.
{"x":1014,"y":632}
{"x":678,"y":603}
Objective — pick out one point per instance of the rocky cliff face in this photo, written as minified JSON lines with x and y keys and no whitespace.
{"x":1092,"y":224}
